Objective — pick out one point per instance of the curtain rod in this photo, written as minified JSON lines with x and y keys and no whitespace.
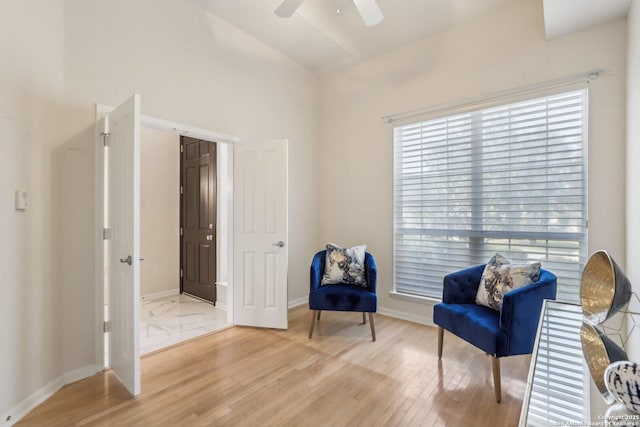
{"x":587,"y":75}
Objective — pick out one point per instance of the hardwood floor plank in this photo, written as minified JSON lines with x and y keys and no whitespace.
{"x":248,"y":376}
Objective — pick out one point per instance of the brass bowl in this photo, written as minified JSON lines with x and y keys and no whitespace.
{"x":604,"y":289}
{"x":599,"y":352}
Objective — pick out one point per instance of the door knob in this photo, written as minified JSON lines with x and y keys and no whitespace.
{"x":279,"y":244}
{"x":127,"y":260}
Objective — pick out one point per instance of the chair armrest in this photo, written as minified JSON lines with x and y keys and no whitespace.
{"x":461,"y":287}
{"x":317,"y":270}
{"x":521,"y":311}
{"x":371,"y":272}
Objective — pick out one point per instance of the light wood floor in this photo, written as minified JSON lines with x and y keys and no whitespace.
{"x":246,"y":376}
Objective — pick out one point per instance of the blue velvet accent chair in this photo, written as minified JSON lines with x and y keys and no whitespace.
{"x":508,"y":332}
{"x":343,"y":297}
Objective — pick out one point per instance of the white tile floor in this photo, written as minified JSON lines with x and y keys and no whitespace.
{"x":169,"y":320}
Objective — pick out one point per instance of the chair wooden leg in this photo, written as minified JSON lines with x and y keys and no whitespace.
{"x":373,"y":327}
{"x":364,"y":318}
{"x":313,"y":321}
{"x":318,"y":318}
{"x":495,"y":364}
{"x":440,"y":338}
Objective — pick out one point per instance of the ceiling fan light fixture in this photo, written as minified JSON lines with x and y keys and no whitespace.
{"x":368,"y":9}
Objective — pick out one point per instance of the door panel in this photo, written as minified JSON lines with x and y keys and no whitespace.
{"x":123,"y":205}
{"x":271,"y":278}
{"x":260,"y":234}
{"x":198,"y":180}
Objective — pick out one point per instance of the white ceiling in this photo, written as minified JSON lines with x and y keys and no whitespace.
{"x":562,"y":17}
{"x":322,"y":40}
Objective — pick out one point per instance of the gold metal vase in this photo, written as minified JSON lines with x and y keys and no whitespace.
{"x":604,"y":289}
{"x":599,"y":352}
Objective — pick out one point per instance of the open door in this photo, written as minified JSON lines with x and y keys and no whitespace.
{"x":123,"y":243}
{"x":260,"y":251}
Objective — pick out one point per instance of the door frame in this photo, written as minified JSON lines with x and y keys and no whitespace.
{"x":224,"y":199}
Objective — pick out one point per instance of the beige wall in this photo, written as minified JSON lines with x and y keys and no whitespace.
{"x":633,"y":160}
{"x":31,"y":90}
{"x":504,"y":50}
{"x":159,"y":212}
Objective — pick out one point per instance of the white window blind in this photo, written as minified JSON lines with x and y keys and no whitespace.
{"x":508,"y":179}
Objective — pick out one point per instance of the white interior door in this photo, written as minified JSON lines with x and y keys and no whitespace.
{"x":260,"y":252}
{"x":123,"y":244}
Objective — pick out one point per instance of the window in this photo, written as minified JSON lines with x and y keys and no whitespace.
{"x":508,"y":179}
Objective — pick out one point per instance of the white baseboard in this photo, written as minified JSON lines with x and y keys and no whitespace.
{"x":80,"y":374}
{"x":18,"y":412}
{"x":299,"y":301}
{"x":423,"y":320}
{"x":161,"y":294}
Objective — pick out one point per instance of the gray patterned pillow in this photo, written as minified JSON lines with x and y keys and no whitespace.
{"x":500,"y":277}
{"x":344,"y":266}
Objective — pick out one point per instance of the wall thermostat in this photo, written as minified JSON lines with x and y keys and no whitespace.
{"x":22,"y":200}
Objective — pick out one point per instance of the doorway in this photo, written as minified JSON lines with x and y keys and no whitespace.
{"x":252,"y":229}
{"x":168,"y":315}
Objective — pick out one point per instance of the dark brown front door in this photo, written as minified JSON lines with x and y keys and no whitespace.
{"x":198,"y":218}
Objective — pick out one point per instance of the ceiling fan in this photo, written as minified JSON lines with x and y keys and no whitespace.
{"x":368,"y":9}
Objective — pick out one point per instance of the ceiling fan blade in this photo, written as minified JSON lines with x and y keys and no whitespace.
{"x":369,"y":11}
{"x":288,"y":7}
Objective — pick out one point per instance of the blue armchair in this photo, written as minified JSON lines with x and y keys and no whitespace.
{"x":508,"y":332}
{"x":343,"y":297}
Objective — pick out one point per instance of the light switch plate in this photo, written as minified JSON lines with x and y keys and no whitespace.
{"x":22,"y":200}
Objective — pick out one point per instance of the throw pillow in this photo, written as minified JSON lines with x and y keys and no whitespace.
{"x":500,"y":277}
{"x":344,"y":266}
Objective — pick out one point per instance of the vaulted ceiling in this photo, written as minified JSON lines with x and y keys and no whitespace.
{"x":326,"y":34}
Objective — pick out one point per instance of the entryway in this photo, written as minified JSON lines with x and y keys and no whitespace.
{"x":178,"y":219}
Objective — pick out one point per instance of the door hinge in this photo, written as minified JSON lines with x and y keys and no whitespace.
{"x":105,"y":126}
{"x":106,"y":234}
{"x":181,"y":232}
{"x":182,"y":148}
{"x":181,"y":273}
{"x":105,"y":130}
{"x":181,"y":189}
{"x":106,"y":326}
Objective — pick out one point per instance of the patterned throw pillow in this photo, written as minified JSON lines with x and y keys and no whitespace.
{"x":344,"y":266}
{"x":500,"y":277}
